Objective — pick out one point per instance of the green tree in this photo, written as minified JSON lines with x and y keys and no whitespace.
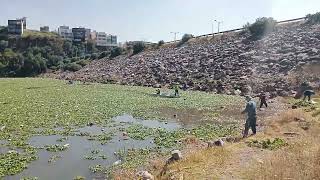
{"x":117,"y":51}
{"x":185,"y":38}
{"x":261,"y":27}
{"x":313,"y":18}
{"x":3,"y":45}
{"x":160,"y":43}
{"x":67,"y":48}
{"x":138,"y":47}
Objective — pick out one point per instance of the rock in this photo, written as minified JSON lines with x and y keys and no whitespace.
{"x":117,"y":163}
{"x":294,"y":107}
{"x":176,"y":155}
{"x":215,"y":143}
{"x":233,"y":61}
{"x":145,"y":175}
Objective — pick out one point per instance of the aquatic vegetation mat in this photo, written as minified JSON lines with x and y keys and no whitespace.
{"x":45,"y":107}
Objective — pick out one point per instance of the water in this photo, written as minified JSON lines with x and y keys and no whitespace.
{"x":72,"y":162}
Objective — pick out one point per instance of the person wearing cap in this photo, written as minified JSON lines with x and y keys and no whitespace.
{"x":308,"y":93}
{"x":251,"y":121}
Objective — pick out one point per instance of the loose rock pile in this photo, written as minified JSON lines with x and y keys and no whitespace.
{"x":223,"y":64}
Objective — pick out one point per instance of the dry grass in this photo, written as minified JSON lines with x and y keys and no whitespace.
{"x":198,"y":165}
{"x":298,"y":161}
{"x":301,"y":159}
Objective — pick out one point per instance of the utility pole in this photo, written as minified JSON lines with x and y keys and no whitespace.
{"x":175,"y":35}
{"x":212,"y":28}
{"x":218,"y":22}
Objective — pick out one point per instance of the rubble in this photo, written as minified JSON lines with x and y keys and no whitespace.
{"x":218,"y":65}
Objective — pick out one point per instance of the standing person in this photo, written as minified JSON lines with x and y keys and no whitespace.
{"x":251,"y":121}
{"x":176,"y":90}
{"x":263,"y":99}
{"x":308,"y":93}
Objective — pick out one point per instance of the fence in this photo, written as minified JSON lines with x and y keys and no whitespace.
{"x":240,"y":29}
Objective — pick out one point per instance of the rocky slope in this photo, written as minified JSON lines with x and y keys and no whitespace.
{"x":221,"y":64}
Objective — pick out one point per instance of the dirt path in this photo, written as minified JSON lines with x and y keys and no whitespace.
{"x":242,"y":155}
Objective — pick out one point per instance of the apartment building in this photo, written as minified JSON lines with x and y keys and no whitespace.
{"x":104,"y":39}
{"x":65,"y":32}
{"x":17,"y":26}
{"x":79,"y":34}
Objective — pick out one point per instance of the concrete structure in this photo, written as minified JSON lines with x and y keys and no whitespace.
{"x":65,"y":32}
{"x":17,"y":27}
{"x":104,"y":39}
{"x":79,"y":34}
{"x":44,"y":29}
{"x":93,"y":35}
{"x":88,"y":34}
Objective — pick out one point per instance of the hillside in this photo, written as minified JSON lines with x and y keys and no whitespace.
{"x":223,"y":63}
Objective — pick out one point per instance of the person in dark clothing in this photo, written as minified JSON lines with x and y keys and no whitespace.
{"x":176,"y":91}
{"x":308,"y":93}
{"x":158,"y":91}
{"x":251,"y":121}
{"x":263,"y":99}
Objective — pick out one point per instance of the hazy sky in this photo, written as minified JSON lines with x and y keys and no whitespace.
{"x":151,"y":20}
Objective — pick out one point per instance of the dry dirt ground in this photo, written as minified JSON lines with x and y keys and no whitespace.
{"x":299,"y":159}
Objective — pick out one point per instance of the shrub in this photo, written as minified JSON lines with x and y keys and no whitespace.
{"x":117,"y":51}
{"x":104,"y":54}
{"x":94,"y":56}
{"x":72,"y":67}
{"x":83,"y":62}
{"x":261,"y":27}
{"x":313,"y":18}
{"x":138,"y":47}
{"x":160,"y":43}
{"x":185,"y":38}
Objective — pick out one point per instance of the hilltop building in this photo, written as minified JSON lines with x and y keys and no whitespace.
{"x":65,"y":32}
{"x":17,"y":27}
{"x":105,"y":40}
{"x":79,"y":34}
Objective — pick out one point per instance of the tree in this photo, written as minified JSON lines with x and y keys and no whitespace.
{"x":91,"y":47}
{"x":185,"y":38}
{"x":138,"y":47}
{"x":3,"y":45}
{"x":313,"y":18}
{"x":67,"y":48}
{"x":117,"y":51}
{"x":261,"y":27}
{"x":160,"y":43}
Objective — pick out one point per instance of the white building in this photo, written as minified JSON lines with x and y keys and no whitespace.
{"x":65,"y":32}
{"x":104,"y":39}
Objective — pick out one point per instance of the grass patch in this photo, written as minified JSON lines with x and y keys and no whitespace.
{"x":198,"y":165}
{"x":298,"y":161}
{"x":267,"y":144}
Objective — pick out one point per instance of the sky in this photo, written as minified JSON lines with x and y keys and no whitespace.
{"x":151,"y":20}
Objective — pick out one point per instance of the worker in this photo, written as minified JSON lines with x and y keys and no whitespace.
{"x":308,"y":93}
{"x":176,"y":91}
{"x":252,"y":116}
{"x":263,"y":99}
